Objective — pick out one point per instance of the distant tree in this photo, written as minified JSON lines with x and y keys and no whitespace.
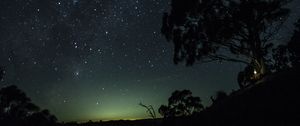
{"x":181,"y":103}
{"x":224,"y":30}
{"x":150,"y":110}
{"x":14,"y":103}
{"x":17,"y":109}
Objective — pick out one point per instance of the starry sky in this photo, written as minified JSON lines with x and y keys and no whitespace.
{"x":97,"y":59}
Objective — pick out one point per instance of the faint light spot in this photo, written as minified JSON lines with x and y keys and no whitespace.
{"x":151,"y":65}
{"x":55,"y":68}
{"x":255,"y":72}
{"x":77,"y":73}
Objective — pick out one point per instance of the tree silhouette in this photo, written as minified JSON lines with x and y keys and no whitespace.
{"x":287,"y":56}
{"x":294,"y":44}
{"x":181,"y":103}
{"x":14,"y":103}
{"x":282,"y":58}
{"x":229,"y":30}
{"x":42,"y":118}
{"x":150,"y":110}
{"x":17,"y":109}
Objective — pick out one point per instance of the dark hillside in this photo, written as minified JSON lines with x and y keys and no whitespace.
{"x":273,"y":101}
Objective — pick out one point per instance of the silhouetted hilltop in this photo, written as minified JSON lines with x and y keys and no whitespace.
{"x":272,"y":101}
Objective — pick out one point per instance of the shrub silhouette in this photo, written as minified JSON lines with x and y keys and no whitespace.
{"x":181,"y":103}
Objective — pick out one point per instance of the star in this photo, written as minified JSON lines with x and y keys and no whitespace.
{"x":76,"y":73}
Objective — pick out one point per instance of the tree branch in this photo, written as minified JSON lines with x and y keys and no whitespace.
{"x":222,"y":57}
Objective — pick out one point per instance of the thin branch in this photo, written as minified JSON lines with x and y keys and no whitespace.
{"x":150,"y":110}
{"x":222,"y":57}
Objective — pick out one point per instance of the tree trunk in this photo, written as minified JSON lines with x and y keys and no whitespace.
{"x":260,"y":62}
{"x":260,"y":67}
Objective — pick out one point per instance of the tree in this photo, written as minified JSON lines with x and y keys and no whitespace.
{"x":282,"y":58}
{"x":224,"y":30}
{"x":150,"y":110}
{"x":294,"y":44}
{"x":248,"y":76}
{"x":42,"y":118}
{"x":17,"y":109}
{"x":181,"y":103}
{"x":14,"y":103}
{"x":288,"y":56}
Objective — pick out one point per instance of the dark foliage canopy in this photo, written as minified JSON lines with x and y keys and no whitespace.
{"x":287,"y":56}
{"x":230,"y":30}
{"x":17,"y":109}
{"x":294,"y":44}
{"x":181,"y":103}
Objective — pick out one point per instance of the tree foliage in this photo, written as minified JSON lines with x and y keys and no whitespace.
{"x":294,"y":44}
{"x":181,"y":103}
{"x":288,"y":56}
{"x":230,"y":30}
{"x":17,"y":109}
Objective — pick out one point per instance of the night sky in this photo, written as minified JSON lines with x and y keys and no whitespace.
{"x":97,"y":59}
